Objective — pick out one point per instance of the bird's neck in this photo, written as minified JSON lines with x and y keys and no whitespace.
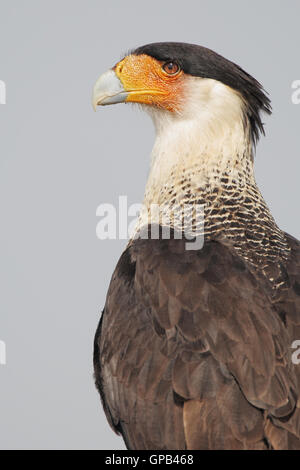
{"x":198,"y":155}
{"x":213,"y":168}
{"x":211,"y":140}
{"x":193,"y":162}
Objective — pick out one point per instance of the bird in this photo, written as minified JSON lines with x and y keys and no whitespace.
{"x":193,"y":350}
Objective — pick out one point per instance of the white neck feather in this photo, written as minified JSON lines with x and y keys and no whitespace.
{"x":209,"y":137}
{"x":204,"y":154}
{"x":198,"y":146}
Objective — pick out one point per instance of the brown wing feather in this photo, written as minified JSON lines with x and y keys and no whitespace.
{"x":195,"y":350}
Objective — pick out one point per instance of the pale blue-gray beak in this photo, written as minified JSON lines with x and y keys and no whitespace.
{"x":108,"y":89}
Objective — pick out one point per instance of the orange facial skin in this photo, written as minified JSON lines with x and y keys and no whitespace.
{"x":148,"y":83}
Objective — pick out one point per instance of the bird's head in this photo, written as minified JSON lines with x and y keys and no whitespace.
{"x":182,"y":81}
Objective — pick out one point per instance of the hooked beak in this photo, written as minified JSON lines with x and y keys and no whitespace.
{"x":108,"y":89}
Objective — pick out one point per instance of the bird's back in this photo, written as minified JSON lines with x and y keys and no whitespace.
{"x":194,"y":349}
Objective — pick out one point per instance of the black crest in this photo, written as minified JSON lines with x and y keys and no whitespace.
{"x":202,"y":62}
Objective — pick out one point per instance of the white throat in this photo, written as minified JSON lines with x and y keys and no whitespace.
{"x":208,"y":139}
{"x":197,"y":148}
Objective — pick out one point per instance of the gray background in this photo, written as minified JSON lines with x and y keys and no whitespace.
{"x":59,"y":160}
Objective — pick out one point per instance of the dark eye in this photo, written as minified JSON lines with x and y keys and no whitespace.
{"x":171,"y":68}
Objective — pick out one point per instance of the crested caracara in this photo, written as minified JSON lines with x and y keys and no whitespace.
{"x":194,"y":346}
